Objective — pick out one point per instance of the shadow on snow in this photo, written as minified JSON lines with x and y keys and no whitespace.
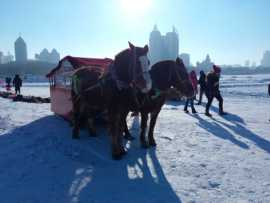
{"x":43,"y":164}
{"x":218,"y":129}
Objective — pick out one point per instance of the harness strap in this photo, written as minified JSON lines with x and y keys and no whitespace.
{"x":158,"y":93}
{"x":76,"y":82}
{"x":120,"y":84}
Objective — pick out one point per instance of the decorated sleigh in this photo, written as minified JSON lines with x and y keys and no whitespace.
{"x":60,"y":81}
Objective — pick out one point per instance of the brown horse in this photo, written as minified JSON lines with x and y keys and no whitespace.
{"x":114,"y":93}
{"x":165,"y":74}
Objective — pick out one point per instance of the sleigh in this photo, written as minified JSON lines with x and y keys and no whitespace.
{"x":60,"y":81}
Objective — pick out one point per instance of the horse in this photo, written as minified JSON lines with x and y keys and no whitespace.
{"x":113,"y":92}
{"x":164,"y":75}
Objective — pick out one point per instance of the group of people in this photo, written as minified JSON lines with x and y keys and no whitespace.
{"x":17,"y":83}
{"x":209,"y":85}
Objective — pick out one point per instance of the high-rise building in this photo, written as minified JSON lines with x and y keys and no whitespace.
{"x":155,"y":45}
{"x":1,"y":57}
{"x":172,"y":44}
{"x":45,"y":55}
{"x":5,"y":58}
{"x":186,"y":59}
{"x":8,"y":58}
{"x":55,"y":56}
{"x":163,"y":47}
{"x":20,"y":50}
{"x":265,"y":62}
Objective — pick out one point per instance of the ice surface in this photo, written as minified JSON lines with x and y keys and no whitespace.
{"x":198,"y":159}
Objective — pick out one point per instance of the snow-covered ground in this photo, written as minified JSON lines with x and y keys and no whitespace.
{"x":33,"y":89}
{"x":198,"y":159}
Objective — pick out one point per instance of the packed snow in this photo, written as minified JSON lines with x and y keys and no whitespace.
{"x":198,"y":159}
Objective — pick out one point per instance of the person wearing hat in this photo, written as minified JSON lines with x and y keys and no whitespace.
{"x":202,"y":84}
{"x":212,"y":90}
{"x":194,"y":82}
{"x":17,"y":82}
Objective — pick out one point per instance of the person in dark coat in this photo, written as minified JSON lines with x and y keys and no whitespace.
{"x":17,"y":82}
{"x":194,"y":82}
{"x":212,"y":90}
{"x":202,"y":84}
{"x":8,"y":81}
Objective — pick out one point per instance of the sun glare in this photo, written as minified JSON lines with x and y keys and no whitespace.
{"x":135,"y":7}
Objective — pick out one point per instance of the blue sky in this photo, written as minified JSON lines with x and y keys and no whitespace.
{"x":231,"y":31}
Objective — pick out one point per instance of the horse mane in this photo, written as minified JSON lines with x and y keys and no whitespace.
{"x":122,"y":61}
{"x":160,"y":74}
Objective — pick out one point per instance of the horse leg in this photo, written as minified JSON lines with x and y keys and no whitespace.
{"x":91,"y":127}
{"x":144,"y":118}
{"x":122,"y":128}
{"x":116,"y":150}
{"x":127,"y":134}
{"x":76,"y":123}
{"x":153,"y":120}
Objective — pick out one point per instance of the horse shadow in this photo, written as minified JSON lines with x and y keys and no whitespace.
{"x":43,"y":162}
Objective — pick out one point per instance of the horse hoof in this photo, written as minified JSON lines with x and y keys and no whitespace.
{"x":75,"y":137}
{"x":93,"y":135}
{"x":117,"y":156}
{"x":129,"y":137}
{"x":152,"y":143}
{"x":144,"y":145}
{"x":123,"y":152}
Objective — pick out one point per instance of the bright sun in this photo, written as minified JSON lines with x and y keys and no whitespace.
{"x":135,"y":7}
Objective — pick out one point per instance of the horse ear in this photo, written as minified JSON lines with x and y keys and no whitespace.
{"x":146,"y":49}
{"x":131,"y":46}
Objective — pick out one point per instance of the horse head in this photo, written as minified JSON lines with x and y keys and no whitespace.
{"x":132,"y":67}
{"x":181,"y":80}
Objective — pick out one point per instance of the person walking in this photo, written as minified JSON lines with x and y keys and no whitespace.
{"x":17,"y":82}
{"x":212,"y":90}
{"x":194,"y":82}
{"x":202,"y":84}
{"x":8,"y":81}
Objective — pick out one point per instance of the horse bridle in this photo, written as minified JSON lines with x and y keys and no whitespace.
{"x":135,"y":75}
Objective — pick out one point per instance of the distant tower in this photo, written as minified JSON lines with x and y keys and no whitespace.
{"x":207,"y":59}
{"x":155,"y":44}
{"x":163,"y":47}
{"x":247,"y":63}
{"x":20,"y":50}
{"x":46,"y":56}
{"x":186,"y":59}
{"x":55,"y":56}
{"x":265,"y":62}
{"x":172,"y":44}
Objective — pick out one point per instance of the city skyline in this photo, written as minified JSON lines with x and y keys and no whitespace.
{"x":231,"y":32}
{"x":163,"y":47}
